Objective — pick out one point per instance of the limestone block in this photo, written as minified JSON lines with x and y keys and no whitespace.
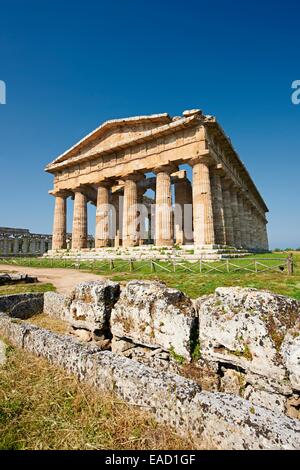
{"x":291,"y":358}
{"x":90,"y":304}
{"x":55,"y":304}
{"x":153,"y":315}
{"x":246,"y":327}
{"x":2,"y":353}
{"x":22,"y":305}
{"x":272,"y":401}
{"x":232,"y":381}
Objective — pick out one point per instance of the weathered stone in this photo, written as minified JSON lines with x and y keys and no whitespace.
{"x":293,"y":406}
{"x":119,"y":346}
{"x":232,"y":381}
{"x":2,"y":353}
{"x":55,"y":305}
{"x":91,"y":303}
{"x":247,"y":328}
{"x":272,"y":401}
{"x":211,"y":420}
{"x":82,"y":334}
{"x":153,"y":315}
{"x":22,"y":305}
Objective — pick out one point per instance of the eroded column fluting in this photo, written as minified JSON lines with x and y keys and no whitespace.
{"x":235,"y":218}
{"x":229,"y":230}
{"x":202,"y":205}
{"x":130,"y":214}
{"x":183,"y":211}
{"x":218,"y":208}
{"x":60,"y":222}
{"x":102,"y":216}
{"x":163,"y":209}
{"x":79,"y":232}
{"x":242,"y":220}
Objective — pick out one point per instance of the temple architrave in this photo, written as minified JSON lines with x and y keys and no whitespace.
{"x":114,"y":167}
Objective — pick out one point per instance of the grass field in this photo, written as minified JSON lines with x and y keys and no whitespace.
{"x":193,"y":284}
{"x":41,"y":407}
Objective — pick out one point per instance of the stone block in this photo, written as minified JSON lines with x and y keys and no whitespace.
{"x":151,"y":314}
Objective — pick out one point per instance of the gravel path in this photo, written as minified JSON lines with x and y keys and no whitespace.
{"x":63,"y":279}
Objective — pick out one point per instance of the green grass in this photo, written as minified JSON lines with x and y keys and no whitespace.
{"x":20,"y":288}
{"x":193,"y":284}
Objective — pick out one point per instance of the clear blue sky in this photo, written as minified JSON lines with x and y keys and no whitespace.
{"x":69,"y":65}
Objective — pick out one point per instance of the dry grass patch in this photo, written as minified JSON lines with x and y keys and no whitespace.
{"x":41,"y":407}
{"x":43,"y":320}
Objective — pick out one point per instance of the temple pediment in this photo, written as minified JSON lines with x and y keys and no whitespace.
{"x":111,"y":133}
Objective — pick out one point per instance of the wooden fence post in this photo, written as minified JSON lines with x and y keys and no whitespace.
{"x":290,"y":264}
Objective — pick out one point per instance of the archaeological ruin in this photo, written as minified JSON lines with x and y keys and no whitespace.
{"x":115,"y":167}
{"x":20,"y":242}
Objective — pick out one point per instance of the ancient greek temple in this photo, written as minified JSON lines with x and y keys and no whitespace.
{"x":211,"y":203}
{"x":20,"y":242}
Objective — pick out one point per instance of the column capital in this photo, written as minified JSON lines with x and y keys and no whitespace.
{"x":206,"y":160}
{"x":167,"y":168}
{"x":136,"y":176}
{"x":60,"y":193}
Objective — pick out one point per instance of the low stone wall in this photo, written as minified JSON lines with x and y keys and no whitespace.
{"x":211,"y":420}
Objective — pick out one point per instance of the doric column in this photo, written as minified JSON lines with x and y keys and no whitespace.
{"x":130,"y":213}
{"x":229,"y":229}
{"x":32,"y":246}
{"x":242,"y":220}
{"x":203,"y":219}
{"x":79,"y":232}
{"x":60,"y":222}
{"x":265,"y":236}
{"x":5,"y":246}
{"x":218,"y":208}
{"x":183,"y":206}
{"x":248,"y":223}
{"x":235,"y":218}
{"x":42,"y":246}
{"x":16,"y":246}
{"x":163,"y":209}
{"x":115,"y":200}
{"x":102,"y":216}
{"x":25,"y":245}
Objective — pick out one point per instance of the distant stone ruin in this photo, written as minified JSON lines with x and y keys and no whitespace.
{"x":224,"y":369}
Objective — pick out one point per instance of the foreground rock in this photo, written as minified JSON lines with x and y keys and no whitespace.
{"x":2,"y":353}
{"x":211,"y":420}
{"x":153,"y":315}
{"x":19,"y":278}
{"x":22,"y":305}
{"x":257,"y":334}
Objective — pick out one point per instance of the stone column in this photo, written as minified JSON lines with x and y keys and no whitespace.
{"x":32,"y":246}
{"x":60,"y":222}
{"x":102,"y":216}
{"x":203,"y":219}
{"x":235,"y":217}
{"x":229,"y":230}
{"x":5,"y":246}
{"x":115,"y":200}
{"x":248,"y":224}
{"x":265,"y":236}
{"x":164,"y":232}
{"x":130,"y":215}
{"x":242,"y":220}
{"x":42,"y":246}
{"x":25,"y":244}
{"x":218,"y":208}
{"x":16,"y":246}
{"x":183,"y":204}
{"x":79,"y":233}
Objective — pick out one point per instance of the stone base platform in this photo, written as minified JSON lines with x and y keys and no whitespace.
{"x":187,"y":252}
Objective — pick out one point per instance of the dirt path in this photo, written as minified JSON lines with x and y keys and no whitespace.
{"x":63,"y":279}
